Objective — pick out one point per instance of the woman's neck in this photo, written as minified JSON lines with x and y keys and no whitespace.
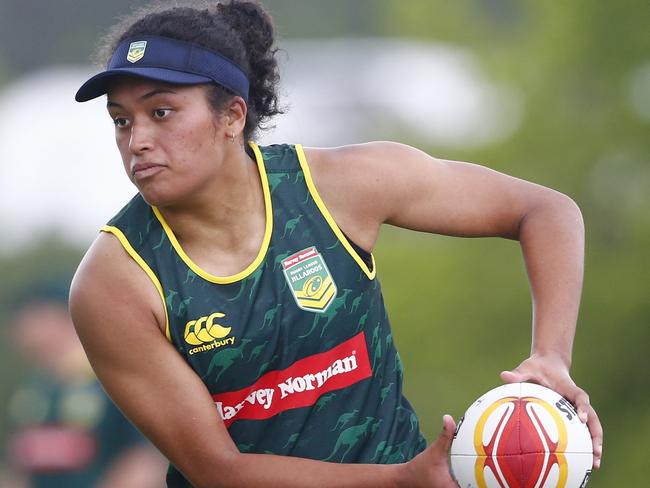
{"x":225,"y":218}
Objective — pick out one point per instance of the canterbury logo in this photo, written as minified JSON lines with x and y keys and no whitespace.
{"x":205,"y":329}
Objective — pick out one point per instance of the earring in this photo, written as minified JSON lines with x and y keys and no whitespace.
{"x":231,"y":136}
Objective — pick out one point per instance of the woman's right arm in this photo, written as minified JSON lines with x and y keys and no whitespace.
{"x":120,"y":320}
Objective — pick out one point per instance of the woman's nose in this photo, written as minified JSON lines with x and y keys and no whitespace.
{"x":141,"y":138}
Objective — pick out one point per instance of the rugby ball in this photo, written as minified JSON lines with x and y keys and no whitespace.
{"x":521,"y":435}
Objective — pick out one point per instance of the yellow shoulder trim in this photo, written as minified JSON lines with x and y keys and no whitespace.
{"x":145,"y":267}
{"x":330,"y":220}
{"x":223,"y":280}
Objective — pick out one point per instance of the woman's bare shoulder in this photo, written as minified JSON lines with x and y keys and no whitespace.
{"x":356,"y":155}
{"x":108,"y":280}
{"x":353,"y":181}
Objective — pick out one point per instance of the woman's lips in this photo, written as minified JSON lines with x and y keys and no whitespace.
{"x":145,"y":170}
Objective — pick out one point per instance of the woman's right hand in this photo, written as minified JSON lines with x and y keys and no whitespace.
{"x":430,"y":468}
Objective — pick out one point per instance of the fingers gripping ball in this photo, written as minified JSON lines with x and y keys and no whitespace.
{"x":521,"y":435}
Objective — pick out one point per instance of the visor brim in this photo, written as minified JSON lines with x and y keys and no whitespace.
{"x":99,"y":84}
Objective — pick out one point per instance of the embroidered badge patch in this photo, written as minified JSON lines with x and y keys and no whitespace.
{"x":136,"y":51}
{"x":309,"y":279}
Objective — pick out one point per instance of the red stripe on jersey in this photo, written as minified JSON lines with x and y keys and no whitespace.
{"x":299,"y":385}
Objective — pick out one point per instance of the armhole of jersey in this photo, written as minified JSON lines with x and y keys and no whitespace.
{"x":330,"y":220}
{"x":145,"y":267}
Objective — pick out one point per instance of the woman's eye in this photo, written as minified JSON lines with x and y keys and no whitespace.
{"x":120,"y":121}
{"x":161,"y":113}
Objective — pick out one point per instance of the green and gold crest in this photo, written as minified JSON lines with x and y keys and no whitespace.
{"x":136,"y":51}
{"x":310,"y":280}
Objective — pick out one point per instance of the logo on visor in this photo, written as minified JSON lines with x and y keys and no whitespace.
{"x":136,"y":51}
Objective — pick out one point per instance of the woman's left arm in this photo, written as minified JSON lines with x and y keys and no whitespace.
{"x":370,"y":184}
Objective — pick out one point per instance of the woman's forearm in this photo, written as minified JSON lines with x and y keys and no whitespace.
{"x":270,"y":471}
{"x":552,"y":241}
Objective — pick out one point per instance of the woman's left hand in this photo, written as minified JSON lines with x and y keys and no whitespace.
{"x":551,"y":372}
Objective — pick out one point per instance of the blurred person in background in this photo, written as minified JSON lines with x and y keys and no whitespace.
{"x":232,"y":309}
{"x":65,"y":431}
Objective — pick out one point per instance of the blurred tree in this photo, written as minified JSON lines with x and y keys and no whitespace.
{"x":573,"y":62}
{"x":68,"y":29}
{"x":40,"y":32}
{"x":335,"y":18}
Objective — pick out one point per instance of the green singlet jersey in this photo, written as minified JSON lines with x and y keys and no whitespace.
{"x":296,"y":350}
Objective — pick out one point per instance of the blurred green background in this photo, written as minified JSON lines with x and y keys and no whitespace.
{"x":460,"y":308}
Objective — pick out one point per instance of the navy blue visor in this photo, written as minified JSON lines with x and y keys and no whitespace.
{"x":168,"y":60}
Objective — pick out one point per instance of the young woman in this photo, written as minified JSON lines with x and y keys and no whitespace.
{"x":231,"y":308}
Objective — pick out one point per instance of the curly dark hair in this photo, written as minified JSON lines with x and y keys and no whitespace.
{"x":241,"y":30}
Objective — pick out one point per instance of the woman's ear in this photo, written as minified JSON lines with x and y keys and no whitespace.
{"x":235,"y":115}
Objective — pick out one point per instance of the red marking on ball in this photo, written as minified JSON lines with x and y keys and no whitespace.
{"x":520,"y":452}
